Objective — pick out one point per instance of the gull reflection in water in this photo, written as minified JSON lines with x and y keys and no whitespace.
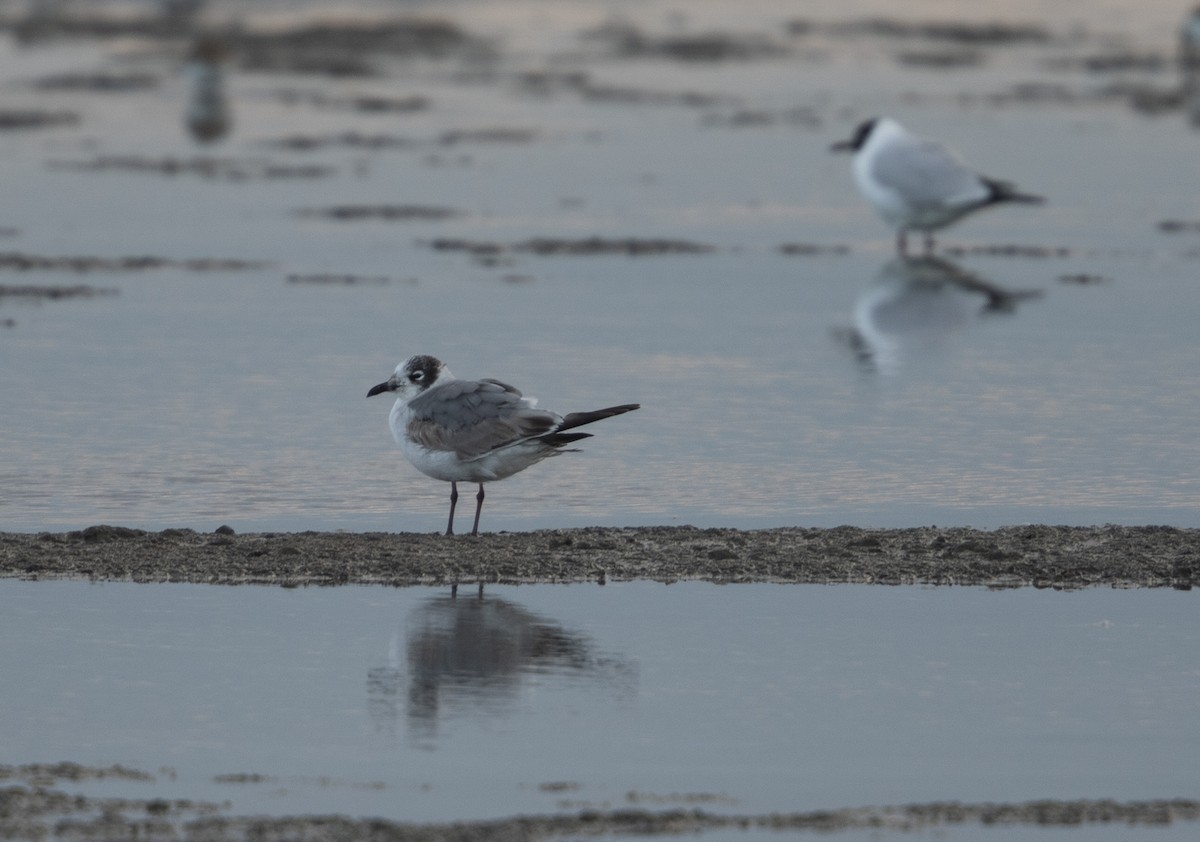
{"x":207,"y":115}
{"x":475,"y":657}
{"x":1189,"y":65}
{"x":915,"y":304}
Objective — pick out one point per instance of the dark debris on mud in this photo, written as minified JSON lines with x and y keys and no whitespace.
{"x":1038,"y":556}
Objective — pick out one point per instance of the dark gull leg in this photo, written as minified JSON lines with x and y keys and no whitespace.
{"x":478,"y":509}
{"x":453,"y":502}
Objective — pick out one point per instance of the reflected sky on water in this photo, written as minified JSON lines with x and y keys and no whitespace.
{"x":408,"y":704}
{"x":788,"y":375}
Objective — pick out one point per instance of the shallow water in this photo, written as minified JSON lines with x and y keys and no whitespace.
{"x":749,"y":699}
{"x":777,"y":389}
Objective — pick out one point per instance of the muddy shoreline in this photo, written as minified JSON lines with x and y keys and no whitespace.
{"x":1064,"y":557}
{"x":32,"y":806}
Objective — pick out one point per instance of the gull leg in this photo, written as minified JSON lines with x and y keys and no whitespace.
{"x":453,"y":502}
{"x":478,"y":509}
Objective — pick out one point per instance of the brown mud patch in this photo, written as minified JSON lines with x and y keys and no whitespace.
{"x":357,"y":103}
{"x":491,"y":253}
{"x":1007,"y":250}
{"x":812,"y":249}
{"x":23,"y":120}
{"x":623,"y":40}
{"x":348,"y":140}
{"x":96,"y":83}
{"x":994,"y":33}
{"x":1179,"y":226}
{"x":1083,"y":279}
{"x":381,"y":213}
{"x":37,"y":812}
{"x":17,"y":262}
{"x":543,"y":83}
{"x":1039,"y":556}
{"x":338,"y":48}
{"x":53,"y":293}
{"x":346,"y":279}
{"x":219,"y":169}
{"x":346,"y":48}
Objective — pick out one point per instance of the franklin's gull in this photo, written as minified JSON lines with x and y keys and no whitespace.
{"x":474,"y":430}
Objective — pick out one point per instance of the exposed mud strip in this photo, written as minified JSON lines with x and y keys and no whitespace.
{"x":1018,"y":556}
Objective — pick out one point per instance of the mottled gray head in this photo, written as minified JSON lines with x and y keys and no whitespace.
{"x":412,"y":377}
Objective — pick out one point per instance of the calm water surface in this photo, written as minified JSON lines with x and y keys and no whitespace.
{"x":843,"y":386}
{"x":776,"y":389}
{"x":749,"y":699}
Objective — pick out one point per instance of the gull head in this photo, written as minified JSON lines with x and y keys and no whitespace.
{"x":412,"y":377}
{"x":859,"y":140}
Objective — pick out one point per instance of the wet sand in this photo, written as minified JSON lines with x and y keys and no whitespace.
{"x":1039,"y":556}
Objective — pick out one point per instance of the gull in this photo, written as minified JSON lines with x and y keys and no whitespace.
{"x":207,"y":116}
{"x":474,"y":430}
{"x":919,"y":184}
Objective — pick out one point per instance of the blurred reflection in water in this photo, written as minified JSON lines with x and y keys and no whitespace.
{"x":1189,"y":65}
{"x":916,"y":304}
{"x":207,"y":115}
{"x":472,"y":656}
{"x":180,"y":15}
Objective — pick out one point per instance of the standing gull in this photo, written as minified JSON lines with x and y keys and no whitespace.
{"x":919,"y":184}
{"x":474,"y":430}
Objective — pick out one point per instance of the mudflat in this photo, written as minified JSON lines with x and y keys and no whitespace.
{"x":1017,"y":556}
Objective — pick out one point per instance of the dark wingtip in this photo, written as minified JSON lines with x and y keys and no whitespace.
{"x":1003,"y":191}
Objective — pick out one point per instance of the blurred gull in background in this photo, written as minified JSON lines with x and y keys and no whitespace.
{"x":919,"y":184}
{"x":207,"y":115}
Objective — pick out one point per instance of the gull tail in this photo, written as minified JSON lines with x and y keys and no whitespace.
{"x":1004,"y":191}
{"x":577,"y":419}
